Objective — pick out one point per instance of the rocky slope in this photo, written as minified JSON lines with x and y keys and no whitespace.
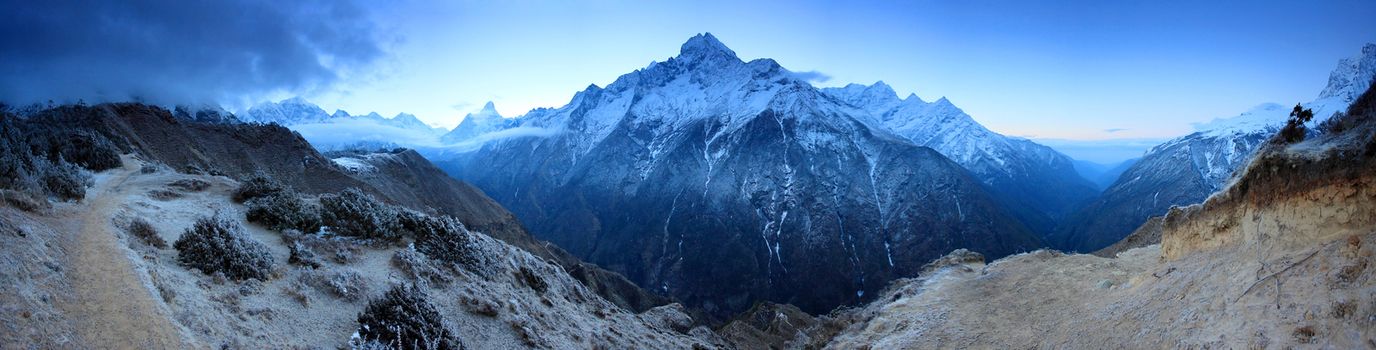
{"x":76,"y":273}
{"x":1185,"y":170}
{"x":407,"y":177}
{"x":114,"y":289}
{"x":723,"y":182}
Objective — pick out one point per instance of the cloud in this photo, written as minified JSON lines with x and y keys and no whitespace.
{"x":478,"y":141}
{"x":812,"y":76}
{"x":174,"y":51}
{"x":1113,"y":130}
{"x":462,"y":107}
{"x":341,"y":133}
{"x":346,"y":133}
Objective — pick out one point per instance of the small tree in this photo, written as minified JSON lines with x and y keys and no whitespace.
{"x":1294,"y":127}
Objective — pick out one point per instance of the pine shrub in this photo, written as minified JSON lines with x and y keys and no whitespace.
{"x":356,"y":214}
{"x":256,"y":186}
{"x":403,"y":319}
{"x":284,"y":210}
{"x":218,"y":245}
{"x":445,"y":239}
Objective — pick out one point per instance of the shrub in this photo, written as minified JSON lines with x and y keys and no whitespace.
{"x":163,"y":195}
{"x":189,"y":185}
{"x":215,"y":244}
{"x":403,"y":319}
{"x":303,"y":256}
{"x":66,"y":180}
{"x":357,"y":214}
{"x":446,"y":240}
{"x":284,"y":210}
{"x":84,"y":148}
{"x":345,"y":284}
{"x":1294,"y":129}
{"x":145,"y":232}
{"x":23,"y":201}
{"x":419,"y":268}
{"x":256,"y":186}
{"x":531,"y":279}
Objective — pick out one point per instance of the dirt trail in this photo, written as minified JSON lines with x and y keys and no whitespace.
{"x":113,"y":308}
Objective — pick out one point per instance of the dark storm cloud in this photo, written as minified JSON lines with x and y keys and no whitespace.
{"x":172,"y":51}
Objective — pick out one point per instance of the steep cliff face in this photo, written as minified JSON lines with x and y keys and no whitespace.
{"x":1289,"y":196}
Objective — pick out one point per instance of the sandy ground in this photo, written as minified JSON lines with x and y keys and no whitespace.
{"x":112,"y":306}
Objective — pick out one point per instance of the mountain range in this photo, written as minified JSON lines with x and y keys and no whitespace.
{"x":722,"y":182}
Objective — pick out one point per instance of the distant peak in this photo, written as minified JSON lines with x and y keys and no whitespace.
{"x":912,"y":97}
{"x":489,"y":110}
{"x":1352,"y":76}
{"x":704,"y":45}
{"x":881,"y":88}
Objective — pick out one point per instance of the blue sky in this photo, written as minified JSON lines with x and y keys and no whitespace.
{"x":1067,"y":70}
{"x":1070,"y":70}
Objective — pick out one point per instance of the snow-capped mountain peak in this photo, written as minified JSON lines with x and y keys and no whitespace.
{"x":705,"y":46}
{"x":1352,"y":76}
{"x":483,"y":121}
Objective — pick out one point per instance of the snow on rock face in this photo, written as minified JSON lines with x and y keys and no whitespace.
{"x":707,"y":168}
{"x":286,"y":112}
{"x":1017,"y":169}
{"x":484,"y":121}
{"x":298,"y":111}
{"x":1352,"y":77}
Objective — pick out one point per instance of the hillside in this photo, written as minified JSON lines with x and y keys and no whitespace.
{"x":1187,"y":169}
{"x":1277,"y":259}
{"x":78,"y":261}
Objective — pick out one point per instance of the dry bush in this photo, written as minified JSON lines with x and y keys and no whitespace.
{"x":163,"y":195}
{"x":403,"y":319}
{"x":531,"y":279}
{"x":140,"y":228}
{"x":24,"y":201}
{"x":356,"y":214}
{"x":420,"y":268}
{"x":442,"y":238}
{"x":303,"y":256}
{"x":189,"y":185}
{"x":218,"y":245}
{"x":65,"y":180}
{"x":346,"y":284}
{"x":284,"y":210}
{"x":256,"y":186}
